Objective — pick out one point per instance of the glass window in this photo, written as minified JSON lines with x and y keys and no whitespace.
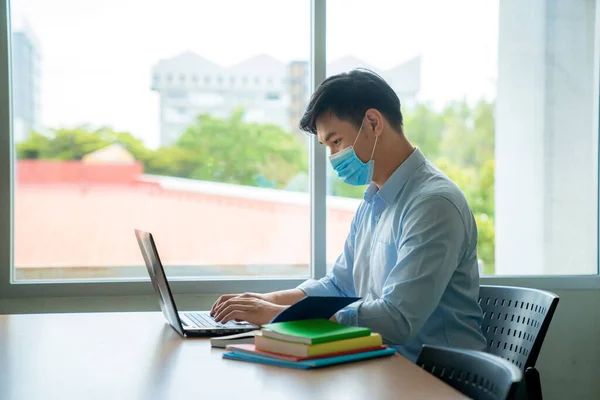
{"x":506,"y":113}
{"x":103,"y":152}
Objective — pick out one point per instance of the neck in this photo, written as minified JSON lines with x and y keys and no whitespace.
{"x":392,"y":150}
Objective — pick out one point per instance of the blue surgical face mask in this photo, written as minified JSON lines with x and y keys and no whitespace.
{"x":350,"y":169}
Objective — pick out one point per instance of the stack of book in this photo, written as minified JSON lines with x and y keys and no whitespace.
{"x":310,"y":343}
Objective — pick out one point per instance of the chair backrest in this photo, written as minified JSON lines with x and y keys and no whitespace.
{"x":476,"y":374}
{"x":515,"y":321}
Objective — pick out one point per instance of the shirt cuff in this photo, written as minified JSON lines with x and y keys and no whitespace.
{"x":314,"y":288}
{"x":349,"y":315}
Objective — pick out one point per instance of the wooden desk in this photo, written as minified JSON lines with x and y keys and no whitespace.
{"x":138,"y":356}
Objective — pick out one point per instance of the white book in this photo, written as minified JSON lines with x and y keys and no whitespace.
{"x":238,"y":338}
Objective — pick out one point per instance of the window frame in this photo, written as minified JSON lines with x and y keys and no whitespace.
{"x":104,"y":288}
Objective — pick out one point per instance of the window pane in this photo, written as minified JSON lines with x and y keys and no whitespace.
{"x":502,"y":97}
{"x":140,"y":114}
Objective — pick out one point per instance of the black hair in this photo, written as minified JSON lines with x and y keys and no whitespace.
{"x":348,"y":96}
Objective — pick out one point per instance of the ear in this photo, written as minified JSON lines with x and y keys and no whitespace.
{"x":374,"y":121}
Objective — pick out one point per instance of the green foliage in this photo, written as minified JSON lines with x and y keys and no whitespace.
{"x":230,"y":151}
{"x":236,"y":152}
{"x":466,"y":155}
{"x":73,"y":144}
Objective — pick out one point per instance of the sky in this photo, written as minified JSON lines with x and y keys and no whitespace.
{"x":97,"y":56}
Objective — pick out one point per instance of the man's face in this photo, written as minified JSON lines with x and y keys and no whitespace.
{"x":339,"y":134}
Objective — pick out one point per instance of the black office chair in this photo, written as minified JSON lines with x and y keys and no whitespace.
{"x":515,"y":322}
{"x":476,"y":374}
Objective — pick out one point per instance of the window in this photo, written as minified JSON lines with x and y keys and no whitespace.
{"x":510,"y":116}
{"x":504,"y":101}
{"x":176,"y":94}
{"x":109,"y":158}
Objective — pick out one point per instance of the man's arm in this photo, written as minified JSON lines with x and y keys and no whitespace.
{"x":261,"y":308}
{"x":285,"y":297}
{"x":340,"y":281}
{"x":429,"y":250}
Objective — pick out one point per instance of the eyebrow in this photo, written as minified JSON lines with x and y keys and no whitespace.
{"x":328,"y":137}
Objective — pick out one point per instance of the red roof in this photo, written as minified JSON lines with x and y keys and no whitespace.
{"x":76,"y":214}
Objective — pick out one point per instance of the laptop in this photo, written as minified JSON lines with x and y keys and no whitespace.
{"x":198,"y":323}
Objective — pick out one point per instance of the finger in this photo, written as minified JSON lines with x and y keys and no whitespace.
{"x":234,"y":307}
{"x":216,"y":303}
{"x":220,"y":301}
{"x":224,"y":311}
{"x":234,"y":300}
{"x":237,"y":314}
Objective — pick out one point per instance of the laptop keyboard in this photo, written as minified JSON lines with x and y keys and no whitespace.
{"x":204,"y":320}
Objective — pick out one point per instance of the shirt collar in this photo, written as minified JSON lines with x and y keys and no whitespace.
{"x":391,"y":188}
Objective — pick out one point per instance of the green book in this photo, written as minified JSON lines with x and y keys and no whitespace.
{"x":312,"y":331}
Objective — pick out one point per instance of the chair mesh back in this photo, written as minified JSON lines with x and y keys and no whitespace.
{"x":515,"y":321}
{"x":476,"y":374}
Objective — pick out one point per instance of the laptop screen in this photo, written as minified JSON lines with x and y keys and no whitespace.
{"x":158,"y":278}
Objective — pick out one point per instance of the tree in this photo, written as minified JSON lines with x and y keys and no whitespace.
{"x":467,"y":157}
{"x":230,"y":150}
{"x":33,"y":147}
{"x":233,"y":151}
{"x":73,"y":144}
{"x":425,"y":128}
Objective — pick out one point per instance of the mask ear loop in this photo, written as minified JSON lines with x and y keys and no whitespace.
{"x":361,"y":126}
{"x":373,"y":152}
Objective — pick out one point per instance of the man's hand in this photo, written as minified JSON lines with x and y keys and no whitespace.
{"x":282,"y":298}
{"x":226,"y":297}
{"x":250,"y":307}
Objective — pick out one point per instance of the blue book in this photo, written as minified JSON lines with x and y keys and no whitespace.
{"x":309,"y":364}
{"x":314,"y":307}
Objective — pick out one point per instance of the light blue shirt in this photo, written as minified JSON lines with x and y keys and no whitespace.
{"x":411,"y":256}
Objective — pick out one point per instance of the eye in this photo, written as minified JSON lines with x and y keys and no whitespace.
{"x":337,"y":141}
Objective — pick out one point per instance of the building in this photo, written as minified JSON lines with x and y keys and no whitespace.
{"x":268,"y":90}
{"x":189,"y":84}
{"x":299,"y":76}
{"x":25,"y":79}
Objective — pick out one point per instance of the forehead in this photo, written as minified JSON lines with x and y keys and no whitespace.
{"x":329,"y":122}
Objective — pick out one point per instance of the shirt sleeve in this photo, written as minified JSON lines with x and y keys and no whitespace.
{"x":340,"y":281}
{"x":429,"y":249}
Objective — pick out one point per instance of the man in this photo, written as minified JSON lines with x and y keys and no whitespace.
{"x":411,"y":254}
